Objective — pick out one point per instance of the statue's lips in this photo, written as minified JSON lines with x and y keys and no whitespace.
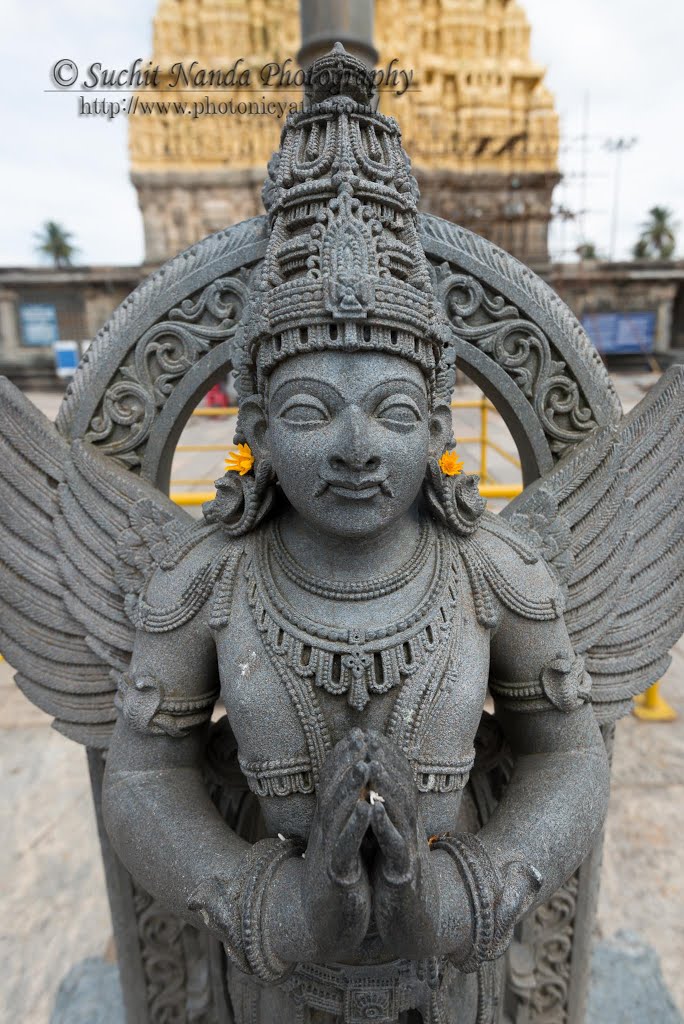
{"x":356,"y":490}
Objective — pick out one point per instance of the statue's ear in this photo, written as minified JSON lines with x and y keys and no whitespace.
{"x":441,"y":430}
{"x":253,"y":423}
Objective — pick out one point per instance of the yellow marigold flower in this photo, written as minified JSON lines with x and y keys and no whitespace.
{"x":450,"y":464}
{"x":240,"y":461}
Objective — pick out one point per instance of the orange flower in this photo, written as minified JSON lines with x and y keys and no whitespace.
{"x":450,"y":464}
{"x":240,"y":461}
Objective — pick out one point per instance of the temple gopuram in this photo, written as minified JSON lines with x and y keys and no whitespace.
{"x":478,"y":120}
{"x":197,"y":175}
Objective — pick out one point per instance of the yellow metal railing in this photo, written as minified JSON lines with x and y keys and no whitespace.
{"x":489,"y":488}
{"x":651,"y":706}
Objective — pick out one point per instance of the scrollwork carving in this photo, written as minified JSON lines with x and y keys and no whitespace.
{"x":159,"y":360}
{"x":503,"y":273}
{"x":485,"y":319}
{"x":162,"y":959}
{"x":174,"y":961}
{"x":543,"y":987}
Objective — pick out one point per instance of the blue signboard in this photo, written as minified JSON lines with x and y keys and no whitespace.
{"x":621,"y":333}
{"x":67,"y":357}
{"x":39,"y":324}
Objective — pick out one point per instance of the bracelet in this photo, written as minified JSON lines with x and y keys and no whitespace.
{"x":241,"y":931}
{"x":478,"y":873}
{"x":266,"y":857}
{"x":494,"y":916}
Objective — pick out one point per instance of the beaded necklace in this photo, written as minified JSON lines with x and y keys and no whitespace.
{"x":352,"y":590}
{"x":419,"y":654}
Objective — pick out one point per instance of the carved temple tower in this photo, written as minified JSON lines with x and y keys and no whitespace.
{"x":199,"y":174}
{"x":478,"y":121}
{"x":480,"y":128}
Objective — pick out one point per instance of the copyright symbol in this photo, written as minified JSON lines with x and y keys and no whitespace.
{"x":64,"y":73}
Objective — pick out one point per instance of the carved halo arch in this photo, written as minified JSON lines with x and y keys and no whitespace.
{"x":176,"y":334}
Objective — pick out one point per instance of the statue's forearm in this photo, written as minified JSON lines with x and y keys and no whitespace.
{"x":551,"y":814}
{"x":541,"y":831}
{"x":162,"y":822}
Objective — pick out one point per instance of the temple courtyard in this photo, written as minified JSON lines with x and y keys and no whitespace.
{"x":53,"y":904}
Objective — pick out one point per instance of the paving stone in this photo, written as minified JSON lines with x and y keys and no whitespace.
{"x":627,"y":985}
{"x":90,"y":994}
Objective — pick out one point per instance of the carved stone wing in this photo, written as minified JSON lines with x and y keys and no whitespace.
{"x":609,"y":519}
{"x":77,"y":533}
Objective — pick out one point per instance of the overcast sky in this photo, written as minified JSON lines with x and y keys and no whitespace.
{"x":620,"y":59}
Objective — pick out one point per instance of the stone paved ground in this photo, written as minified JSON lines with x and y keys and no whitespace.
{"x":53,"y":910}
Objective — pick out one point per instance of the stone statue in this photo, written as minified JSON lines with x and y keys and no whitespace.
{"x":350,"y":602}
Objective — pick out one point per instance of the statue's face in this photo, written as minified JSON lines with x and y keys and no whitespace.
{"x":349,"y":435}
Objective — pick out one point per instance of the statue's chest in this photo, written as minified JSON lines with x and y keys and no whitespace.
{"x":294,"y":686}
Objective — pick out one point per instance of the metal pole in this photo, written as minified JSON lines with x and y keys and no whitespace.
{"x":616,"y":203}
{"x":583,"y":172}
{"x":618,"y":147}
{"x":326,"y":22}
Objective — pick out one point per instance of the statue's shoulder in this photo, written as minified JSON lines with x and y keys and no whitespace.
{"x":509,"y":547}
{"x":191,"y":569}
{"x":507,"y":573}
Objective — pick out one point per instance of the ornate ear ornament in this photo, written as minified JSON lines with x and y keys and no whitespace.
{"x":244,"y":496}
{"x":452,"y":495}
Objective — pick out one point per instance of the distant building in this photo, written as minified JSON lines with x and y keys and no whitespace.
{"x":480,"y":127}
{"x":196,"y":175}
{"x":640,"y":305}
{"x":42,"y":305}
{"x":478,"y":121}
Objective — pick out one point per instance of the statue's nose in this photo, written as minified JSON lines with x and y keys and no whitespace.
{"x":356,"y":463}
{"x":354,"y":450}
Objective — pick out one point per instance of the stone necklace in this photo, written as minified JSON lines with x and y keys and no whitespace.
{"x":353,"y":590}
{"x":351,"y":661}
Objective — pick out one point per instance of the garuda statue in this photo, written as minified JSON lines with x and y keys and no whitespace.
{"x":350,"y":602}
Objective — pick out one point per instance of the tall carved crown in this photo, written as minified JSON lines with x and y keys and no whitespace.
{"x":344,"y":267}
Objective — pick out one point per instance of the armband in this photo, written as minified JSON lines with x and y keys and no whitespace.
{"x":563,"y":685}
{"x":144,"y":705}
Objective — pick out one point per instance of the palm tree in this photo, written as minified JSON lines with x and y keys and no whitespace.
{"x":55,"y":243}
{"x":640,"y":250}
{"x":657,"y":239}
{"x":587,"y":251}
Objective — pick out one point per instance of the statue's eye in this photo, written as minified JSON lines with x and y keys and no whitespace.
{"x":304,"y":410}
{"x":398,"y":411}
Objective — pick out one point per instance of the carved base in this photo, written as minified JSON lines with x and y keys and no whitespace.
{"x":170,"y":972}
